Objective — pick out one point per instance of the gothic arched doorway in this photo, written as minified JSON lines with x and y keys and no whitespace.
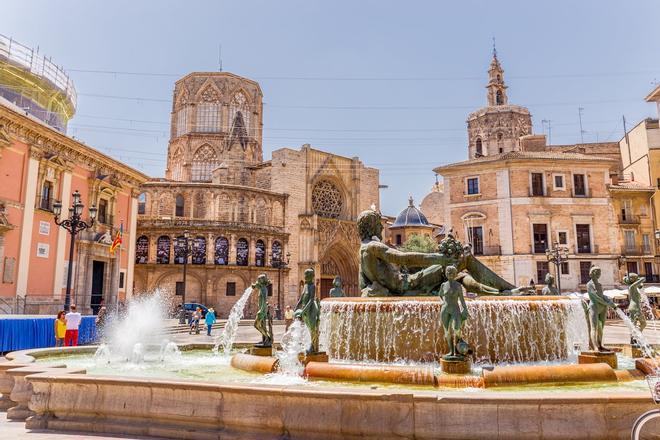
{"x":339,"y":261}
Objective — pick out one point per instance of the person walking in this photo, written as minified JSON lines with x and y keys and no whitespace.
{"x":194,"y":321}
{"x":288,"y":317}
{"x":73,"y":319}
{"x":60,"y":329}
{"x":210,"y":320}
{"x":100,"y":321}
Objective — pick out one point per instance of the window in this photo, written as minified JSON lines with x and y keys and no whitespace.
{"x":579,"y":185}
{"x":163,"y":250}
{"x":646,"y":243}
{"x":239,"y":105}
{"x":179,"y":206}
{"x":199,"y":251}
{"x":540,"y":233}
{"x":564,"y":268}
{"x":542,"y":269}
{"x":269,"y":288}
{"x":583,"y":239}
{"x":478,"y":151}
{"x":231,"y":288}
{"x":648,"y":269}
{"x":476,"y":239}
{"x":643,"y":210}
{"x":182,"y":121}
{"x":142,"y":203}
{"x":473,"y":185}
{"x":499,"y":99}
{"x":142,"y":250}
{"x":629,"y":239}
{"x":559,"y":182}
{"x":626,"y":210}
{"x":177,"y":165}
{"x":537,"y":184}
{"x":208,"y":117}
{"x":204,"y":162}
{"x":276,"y":251}
{"x":221,"y":255}
{"x":501,"y":150}
{"x":260,"y":254}
{"x":631,"y":267}
{"x":585,"y":267}
{"x":179,"y":288}
{"x":46,"y":201}
{"x":562,"y":237}
{"x":327,"y":200}
{"x":180,"y":245}
{"x":242,"y":252}
{"x":122,"y":276}
{"x":102,"y":212}
{"x":399,"y":240}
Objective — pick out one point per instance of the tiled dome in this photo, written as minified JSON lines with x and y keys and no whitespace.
{"x":410,"y":216}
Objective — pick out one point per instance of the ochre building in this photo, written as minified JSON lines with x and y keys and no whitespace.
{"x":245,"y":214}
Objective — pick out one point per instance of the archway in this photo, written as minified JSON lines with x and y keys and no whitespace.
{"x":339,"y":260}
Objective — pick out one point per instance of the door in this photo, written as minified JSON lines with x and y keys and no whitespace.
{"x":98,"y":272}
{"x":540,"y":238}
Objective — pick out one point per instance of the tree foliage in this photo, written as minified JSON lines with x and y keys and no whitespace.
{"x":420,"y":243}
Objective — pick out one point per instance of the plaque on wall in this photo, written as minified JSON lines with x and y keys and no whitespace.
{"x":43,"y":249}
{"x":44,"y":228}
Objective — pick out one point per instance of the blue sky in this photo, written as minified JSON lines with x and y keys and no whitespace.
{"x":390,"y":82}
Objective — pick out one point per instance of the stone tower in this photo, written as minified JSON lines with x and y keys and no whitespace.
{"x":497,"y":128}
{"x":216,"y":129}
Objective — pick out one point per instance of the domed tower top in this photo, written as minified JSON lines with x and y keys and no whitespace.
{"x":497,"y":128}
{"x":216,"y":122}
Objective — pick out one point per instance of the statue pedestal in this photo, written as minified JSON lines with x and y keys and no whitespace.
{"x":598,"y":357}
{"x":315,"y":357}
{"x":455,"y":366}
{"x":633,"y":351}
{"x":261,"y":351}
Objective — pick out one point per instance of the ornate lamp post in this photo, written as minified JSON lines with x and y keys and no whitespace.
{"x":74,"y":225}
{"x":557,"y":255}
{"x":280,"y":264}
{"x":186,"y":246}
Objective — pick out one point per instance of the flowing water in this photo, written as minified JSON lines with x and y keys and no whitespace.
{"x":289,"y":367}
{"x":636,"y":334}
{"x":228,"y":335}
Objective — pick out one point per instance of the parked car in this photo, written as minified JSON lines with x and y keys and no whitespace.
{"x":191,"y":307}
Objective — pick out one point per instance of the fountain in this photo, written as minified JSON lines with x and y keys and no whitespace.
{"x":228,"y":335}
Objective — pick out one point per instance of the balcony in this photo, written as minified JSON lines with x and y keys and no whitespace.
{"x":631,"y":251}
{"x":653,"y":278}
{"x":629,"y":219}
{"x":45,"y":203}
{"x":586,"y":249}
{"x":106,"y":219}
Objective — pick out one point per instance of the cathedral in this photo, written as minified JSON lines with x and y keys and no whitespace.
{"x":244,"y":215}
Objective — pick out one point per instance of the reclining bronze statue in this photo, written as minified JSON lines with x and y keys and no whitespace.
{"x":385,"y":271}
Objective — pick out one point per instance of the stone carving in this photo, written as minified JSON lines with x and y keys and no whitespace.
{"x":598,"y":305}
{"x":549,"y":288}
{"x":386,"y":271}
{"x":326,"y":199}
{"x":337,"y":291}
{"x":309,"y":310}
{"x":635,"y":309}
{"x":264,"y":321}
{"x":453,"y":315}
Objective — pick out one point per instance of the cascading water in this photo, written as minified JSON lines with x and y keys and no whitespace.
{"x":169,"y":351}
{"x":636,"y":334}
{"x":228,"y":335}
{"x":500,"y":330}
{"x":294,"y":342}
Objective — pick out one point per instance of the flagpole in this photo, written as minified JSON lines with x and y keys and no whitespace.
{"x":121,"y":241}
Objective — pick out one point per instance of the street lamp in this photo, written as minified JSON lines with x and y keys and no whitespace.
{"x":280,"y":264}
{"x":186,"y":246}
{"x":557,"y":255}
{"x":74,"y":225}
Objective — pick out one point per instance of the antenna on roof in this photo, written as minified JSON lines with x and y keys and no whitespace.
{"x":220,"y":57}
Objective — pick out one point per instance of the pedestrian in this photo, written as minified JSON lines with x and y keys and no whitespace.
{"x":60,"y":329}
{"x":194,"y":321}
{"x":100,"y":321}
{"x":210,"y":320}
{"x":288,"y":317}
{"x":73,"y":319}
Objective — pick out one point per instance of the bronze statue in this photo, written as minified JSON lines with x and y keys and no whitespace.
{"x":264,"y":321}
{"x":451,"y":315}
{"x":385,"y":271}
{"x":635,"y":308}
{"x":549,"y":288}
{"x":598,"y":304}
{"x":336,"y":291}
{"x":309,"y":310}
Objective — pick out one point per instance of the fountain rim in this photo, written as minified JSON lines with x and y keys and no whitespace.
{"x":386,"y":299}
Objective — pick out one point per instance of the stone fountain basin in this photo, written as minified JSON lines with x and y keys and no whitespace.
{"x":186,"y":409}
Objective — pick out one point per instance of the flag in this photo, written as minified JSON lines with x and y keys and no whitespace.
{"x":117,"y":241}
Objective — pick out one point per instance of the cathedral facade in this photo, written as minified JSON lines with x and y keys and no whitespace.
{"x":244,"y":215}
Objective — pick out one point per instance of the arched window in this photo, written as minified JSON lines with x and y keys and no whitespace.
{"x":142,"y":203}
{"x":208,"y":117}
{"x":242,"y":252}
{"x":180,"y":249}
{"x":163,"y":250}
{"x":276,"y":253}
{"x":221,"y":255}
{"x":199,"y":251}
{"x":204,"y":161}
{"x":499,"y":98}
{"x":176,"y":164}
{"x":142,"y":250}
{"x":179,"y":206}
{"x":327,"y":199}
{"x":182,"y":121}
{"x":478,"y":151}
{"x":260,"y":254}
{"x":239,"y":104}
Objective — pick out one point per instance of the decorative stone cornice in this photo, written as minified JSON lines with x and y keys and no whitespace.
{"x":154,"y":224}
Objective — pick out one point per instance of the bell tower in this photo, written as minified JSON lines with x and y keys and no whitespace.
{"x":496,"y":87}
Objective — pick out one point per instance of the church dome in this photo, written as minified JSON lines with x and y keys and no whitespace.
{"x":410,"y":216}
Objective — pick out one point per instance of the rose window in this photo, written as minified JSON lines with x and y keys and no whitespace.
{"x":326,"y":200}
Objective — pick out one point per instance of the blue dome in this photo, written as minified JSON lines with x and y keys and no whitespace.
{"x":410,"y":216}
